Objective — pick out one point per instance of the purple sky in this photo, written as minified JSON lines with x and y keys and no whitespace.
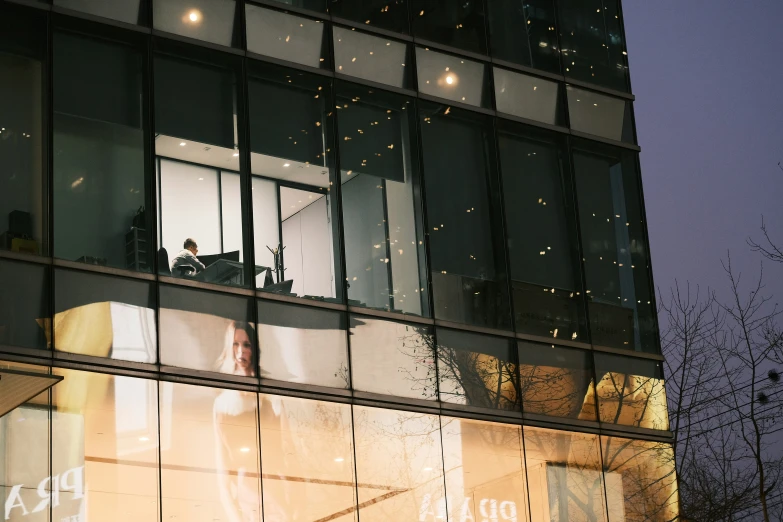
{"x":708,"y":80}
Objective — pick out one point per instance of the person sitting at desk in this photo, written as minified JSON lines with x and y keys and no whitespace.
{"x":187,"y":257}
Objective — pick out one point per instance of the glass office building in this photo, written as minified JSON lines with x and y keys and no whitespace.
{"x":319,"y":260}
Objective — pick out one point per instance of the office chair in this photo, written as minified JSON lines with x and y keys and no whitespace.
{"x":163,"y":262}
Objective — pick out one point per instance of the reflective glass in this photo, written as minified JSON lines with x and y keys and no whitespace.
{"x":614,"y":247}
{"x":391,"y":15}
{"x":456,"y":24}
{"x":313,"y":5}
{"x":452,"y":77}
{"x":128,"y":11}
{"x":463,"y":217}
{"x":564,"y":476}
{"x":524,"y":33}
{"x":591,"y":36}
{"x":99,"y":154}
{"x":297,"y":232}
{"x":598,"y":114}
{"x":631,"y":391}
{"x":303,"y":345}
{"x":209,"y":20}
{"x":22,"y":51}
{"x":485,"y":470}
{"x":307,"y":454}
{"x":556,"y":381}
{"x":641,"y":484}
{"x":541,"y":232}
{"x":25,"y":308}
{"x":380,"y":60}
{"x":209,"y":454}
{"x":104,"y":316}
{"x":287,"y":37}
{"x":207,"y":331}
{"x":393,"y":358}
{"x":399,"y":465}
{"x":380,"y":190}
{"x":200,"y":232}
{"x":528,"y":97}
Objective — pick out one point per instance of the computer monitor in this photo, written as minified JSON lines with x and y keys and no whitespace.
{"x":228,"y":256}
{"x":283,"y":287}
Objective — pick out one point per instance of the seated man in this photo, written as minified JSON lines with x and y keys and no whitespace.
{"x":187,"y":258}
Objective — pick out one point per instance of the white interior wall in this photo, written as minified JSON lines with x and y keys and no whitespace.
{"x":292,"y":255}
{"x":308,"y":260}
{"x":265,"y":224}
{"x":231,"y":199}
{"x":403,"y":248}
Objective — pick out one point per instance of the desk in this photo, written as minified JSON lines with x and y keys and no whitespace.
{"x":224,"y":272}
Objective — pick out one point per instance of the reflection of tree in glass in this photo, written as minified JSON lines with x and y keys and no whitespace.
{"x":633,"y":400}
{"x":558,"y":392}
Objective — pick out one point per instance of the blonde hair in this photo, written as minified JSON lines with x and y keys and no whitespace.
{"x":226,"y":362}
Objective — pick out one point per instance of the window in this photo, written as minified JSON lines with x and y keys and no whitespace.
{"x":287,"y":37}
{"x":207,"y":331}
{"x":556,"y":381}
{"x":104,"y":316}
{"x":463,"y":221}
{"x":297,"y":237}
{"x":541,"y":231}
{"x":564,"y":475}
{"x":213,"y":21}
{"x":393,"y":358}
{"x":601,"y":115}
{"x":99,"y":154}
{"x":105,"y":447}
{"x":616,"y":260}
{"x":524,"y":33}
{"x":399,"y":465}
{"x":392,"y":16}
{"x":456,"y":24}
{"x":307,"y":454}
{"x":25,"y":309}
{"x":22,"y":209}
{"x":528,"y":97}
{"x":209,"y":453}
{"x":631,"y":391}
{"x":303,"y":345}
{"x":128,"y":11}
{"x":380,"y":60}
{"x":200,"y":180}
{"x":477,"y":370}
{"x":452,"y":78}
{"x":384,"y":235}
{"x":591,"y":36}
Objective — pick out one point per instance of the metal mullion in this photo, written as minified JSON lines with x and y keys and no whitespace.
{"x":160,"y":454}
{"x":245,"y":175}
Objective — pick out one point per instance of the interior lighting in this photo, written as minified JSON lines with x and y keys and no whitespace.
{"x":194,"y":16}
{"x":182,"y":144}
{"x":244,"y":450}
{"x":286,"y":164}
{"x":340,"y":459}
{"x":144,"y":439}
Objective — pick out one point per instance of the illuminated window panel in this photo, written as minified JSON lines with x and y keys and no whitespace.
{"x":452,"y":77}
{"x":287,"y":37}
{"x":376,"y":59}
{"x":598,"y":114}
{"x":209,"y":20}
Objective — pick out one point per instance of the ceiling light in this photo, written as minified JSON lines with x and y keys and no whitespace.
{"x":339,"y":459}
{"x":194,"y":16}
{"x":244,"y":450}
{"x":286,"y":164}
{"x":236,"y":154}
{"x":449,"y":79}
{"x":427,"y":469}
{"x":182,"y":144}
{"x":144,"y":439}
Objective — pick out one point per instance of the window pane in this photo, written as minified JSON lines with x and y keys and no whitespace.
{"x":25,"y":309}
{"x":99,"y":142}
{"x":556,"y":381}
{"x":631,"y":391}
{"x":477,"y":370}
{"x":287,"y":37}
{"x":528,"y":97}
{"x":104,"y":316}
{"x":197,"y":159}
{"x":452,"y":78}
{"x":22,"y":48}
{"x":105,"y":447}
{"x":303,"y":345}
{"x":377,"y":59}
{"x":541,"y":231}
{"x":465,"y":230}
{"x":208,"y":20}
{"x":392,"y":16}
{"x":485,"y":470}
{"x":615,"y":249}
{"x":641,"y":483}
{"x":384,"y":247}
{"x":536,"y":45}
{"x":399,"y":465}
{"x":209,"y":453}
{"x":307,"y":453}
{"x":564,"y":476}
{"x":601,"y":115}
{"x":291,"y":143}
{"x":207,"y":331}
{"x":127,"y":11}
{"x":313,"y":5}
{"x":592,"y":42}
{"x":456,"y":24}
{"x":393,"y":358}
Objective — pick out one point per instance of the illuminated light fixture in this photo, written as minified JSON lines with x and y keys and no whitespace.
{"x":286,"y":164}
{"x":542,"y":44}
{"x":236,"y":154}
{"x":244,"y":450}
{"x":77,"y":183}
{"x":427,"y":469}
{"x":449,"y":79}
{"x":201,"y":179}
{"x":182,"y":144}
{"x":340,"y":459}
{"x":144,"y":439}
{"x":193,"y":16}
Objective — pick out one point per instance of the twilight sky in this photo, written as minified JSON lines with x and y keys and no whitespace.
{"x":708,"y":80}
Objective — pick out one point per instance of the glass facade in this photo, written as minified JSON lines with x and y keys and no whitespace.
{"x":314,"y":260}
